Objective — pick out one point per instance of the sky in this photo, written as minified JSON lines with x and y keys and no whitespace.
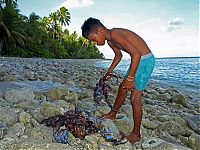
{"x":169,"y":27}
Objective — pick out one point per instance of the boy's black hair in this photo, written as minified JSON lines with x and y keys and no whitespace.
{"x":90,"y":25}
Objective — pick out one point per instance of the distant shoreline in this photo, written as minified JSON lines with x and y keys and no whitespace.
{"x":176,"y":57}
{"x":162,"y":57}
{"x":101,"y":58}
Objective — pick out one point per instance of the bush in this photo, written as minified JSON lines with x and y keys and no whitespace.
{"x":31,"y":51}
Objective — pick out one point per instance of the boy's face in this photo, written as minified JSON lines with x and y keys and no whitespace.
{"x":98,"y":37}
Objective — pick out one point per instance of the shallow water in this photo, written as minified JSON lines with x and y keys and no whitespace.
{"x":36,"y":86}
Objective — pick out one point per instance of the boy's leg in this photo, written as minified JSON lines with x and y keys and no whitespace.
{"x":141,"y":79}
{"x":137,"y":116}
{"x":118,"y":102}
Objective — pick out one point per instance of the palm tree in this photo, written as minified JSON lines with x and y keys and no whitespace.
{"x":12,"y":24}
{"x":2,"y":2}
{"x":46,"y":22}
{"x":33,"y":18}
{"x":63,"y":16}
{"x":63,"y":19}
{"x":33,"y":28}
{"x":54,"y":23}
{"x":4,"y":34}
{"x":58,"y":19}
{"x":66,"y":32}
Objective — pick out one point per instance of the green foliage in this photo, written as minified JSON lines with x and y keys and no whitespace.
{"x":61,"y":53}
{"x":12,"y":26}
{"x":31,"y":51}
{"x":33,"y":36}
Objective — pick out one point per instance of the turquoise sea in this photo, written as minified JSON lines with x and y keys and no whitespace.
{"x":180,"y":72}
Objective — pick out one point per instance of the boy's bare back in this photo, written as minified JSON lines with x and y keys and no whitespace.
{"x":132,"y":37}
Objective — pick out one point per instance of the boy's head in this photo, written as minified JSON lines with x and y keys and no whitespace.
{"x":93,"y":30}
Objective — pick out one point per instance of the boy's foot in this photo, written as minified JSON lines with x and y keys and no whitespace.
{"x":111,"y":115}
{"x":132,"y":137}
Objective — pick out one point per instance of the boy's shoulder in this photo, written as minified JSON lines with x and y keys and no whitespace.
{"x":116,"y":31}
{"x":121,"y":31}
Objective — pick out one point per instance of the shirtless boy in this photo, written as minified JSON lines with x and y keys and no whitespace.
{"x":138,"y":74}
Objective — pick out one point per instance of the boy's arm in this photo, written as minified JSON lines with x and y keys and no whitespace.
{"x":129,"y":48}
{"x":117,"y":58}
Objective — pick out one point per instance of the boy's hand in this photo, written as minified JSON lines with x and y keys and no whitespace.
{"x":128,"y":85}
{"x":107,"y":75}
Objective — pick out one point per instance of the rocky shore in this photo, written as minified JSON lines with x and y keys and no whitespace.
{"x":32,"y":89}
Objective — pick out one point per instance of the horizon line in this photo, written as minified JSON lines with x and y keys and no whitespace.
{"x":178,"y":57}
{"x":167,"y":57}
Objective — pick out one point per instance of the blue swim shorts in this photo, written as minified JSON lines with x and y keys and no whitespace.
{"x":143,"y":72}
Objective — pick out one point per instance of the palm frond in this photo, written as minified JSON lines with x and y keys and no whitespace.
{"x":19,"y":38}
{"x":4,"y":30}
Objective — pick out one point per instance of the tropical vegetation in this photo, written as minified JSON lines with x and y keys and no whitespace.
{"x":33,"y":36}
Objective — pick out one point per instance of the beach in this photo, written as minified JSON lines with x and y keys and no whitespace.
{"x":32,"y":89}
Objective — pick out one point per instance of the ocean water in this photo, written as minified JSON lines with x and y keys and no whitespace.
{"x":182,"y":73}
